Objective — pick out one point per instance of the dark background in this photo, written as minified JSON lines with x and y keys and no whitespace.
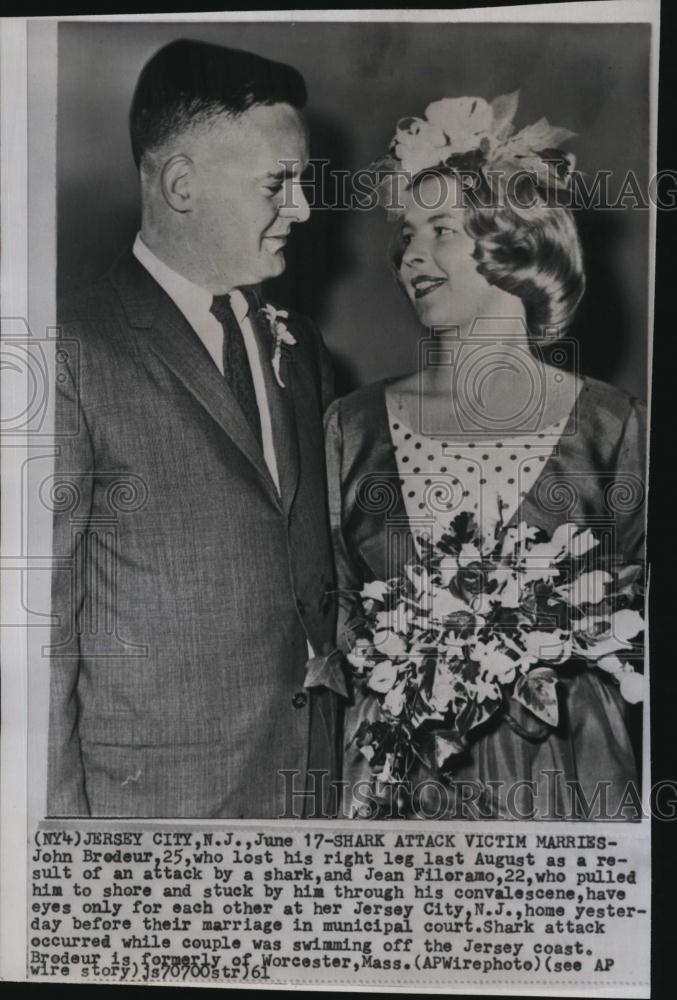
{"x":361,"y":78}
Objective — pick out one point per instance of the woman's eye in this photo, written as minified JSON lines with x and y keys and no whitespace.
{"x":445,"y":230}
{"x":406,"y":239}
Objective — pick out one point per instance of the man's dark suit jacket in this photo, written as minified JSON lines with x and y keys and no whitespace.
{"x":185,"y":586}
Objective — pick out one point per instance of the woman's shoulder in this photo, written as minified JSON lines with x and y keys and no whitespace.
{"x":360,"y":408}
{"x":611,"y":425}
{"x":608,"y":401}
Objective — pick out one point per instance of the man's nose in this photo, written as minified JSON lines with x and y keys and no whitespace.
{"x":297,"y":209}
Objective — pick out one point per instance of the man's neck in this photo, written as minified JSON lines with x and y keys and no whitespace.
{"x":176,"y":256}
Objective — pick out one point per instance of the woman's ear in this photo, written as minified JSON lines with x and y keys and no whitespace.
{"x":176,"y":182}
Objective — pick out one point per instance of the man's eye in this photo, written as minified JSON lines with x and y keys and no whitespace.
{"x":275,"y":188}
{"x":406,"y":239}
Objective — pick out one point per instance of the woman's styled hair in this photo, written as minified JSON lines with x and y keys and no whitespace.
{"x":524,"y":245}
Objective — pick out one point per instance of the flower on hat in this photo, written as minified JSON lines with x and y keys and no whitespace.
{"x":455,"y":127}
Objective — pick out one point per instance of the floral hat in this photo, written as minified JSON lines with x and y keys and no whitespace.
{"x":470,"y":134}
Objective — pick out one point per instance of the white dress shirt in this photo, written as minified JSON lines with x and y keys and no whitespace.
{"x":195,"y":304}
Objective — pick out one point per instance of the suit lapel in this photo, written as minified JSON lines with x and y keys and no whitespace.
{"x":171,"y":338}
{"x":280,"y":401}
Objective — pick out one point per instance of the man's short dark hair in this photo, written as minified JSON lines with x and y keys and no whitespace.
{"x":187,"y":82}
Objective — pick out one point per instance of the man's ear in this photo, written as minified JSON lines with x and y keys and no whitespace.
{"x":176,"y":182}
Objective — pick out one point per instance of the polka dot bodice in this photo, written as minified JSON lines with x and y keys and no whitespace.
{"x":441,"y":477}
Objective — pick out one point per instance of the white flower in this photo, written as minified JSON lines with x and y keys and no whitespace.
{"x":620,"y":627}
{"x":444,"y":604}
{"x":359,"y":654}
{"x":385,"y":621}
{"x":611,"y":664}
{"x":464,"y":120}
{"x":419,"y":622}
{"x":374,"y":590}
{"x":418,"y":575}
{"x":394,"y":700}
{"x":540,"y":562}
{"x":469,"y":553}
{"x":281,"y":335}
{"x":516,"y":537}
{"x":418,"y":144}
{"x":482,"y":605}
{"x":443,"y":687}
{"x":588,"y":588}
{"x":495,"y":663}
{"x":555,"y":646}
{"x":631,"y":682}
{"x":574,"y":539}
{"x":537,"y":566}
{"x":456,"y":126}
{"x":389,"y":643}
{"x":386,"y":774}
{"x":545,"y":554}
{"x":632,"y":686}
{"x":486,"y":690}
{"x":508,"y":592}
{"x":382,"y":677}
{"x":448,"y":569}
{"x":453,"y":646}
{"x":626,"y":624}
{"x":566,"y":538}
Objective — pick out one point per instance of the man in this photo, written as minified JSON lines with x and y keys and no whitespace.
{"x":193,"y":577}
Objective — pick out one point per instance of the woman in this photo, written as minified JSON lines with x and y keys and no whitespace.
{"x":489,"y":426}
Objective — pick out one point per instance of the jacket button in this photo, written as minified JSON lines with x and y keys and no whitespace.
{"x":300,"y":699}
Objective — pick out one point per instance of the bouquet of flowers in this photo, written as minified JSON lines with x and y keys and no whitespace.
{"x":475,"y":625}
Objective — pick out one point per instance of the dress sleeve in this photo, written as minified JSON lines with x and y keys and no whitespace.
{"x":326,"y":368}
{"x":349,"y":580}
{"x":627,"y":499}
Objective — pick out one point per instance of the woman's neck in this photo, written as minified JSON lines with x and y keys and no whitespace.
{"x":491,"y":359}
{"x":486,"y":382}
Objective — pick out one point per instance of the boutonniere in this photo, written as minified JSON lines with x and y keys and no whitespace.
{"x":281,"y":336}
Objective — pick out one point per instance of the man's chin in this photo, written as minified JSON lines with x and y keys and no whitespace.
{"x":268,"y":265}
{"x":276,"y":264}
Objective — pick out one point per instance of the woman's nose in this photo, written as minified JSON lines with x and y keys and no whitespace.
{"x":415,"y":253}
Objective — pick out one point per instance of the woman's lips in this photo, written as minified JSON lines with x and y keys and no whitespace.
{"x":426,"y":284}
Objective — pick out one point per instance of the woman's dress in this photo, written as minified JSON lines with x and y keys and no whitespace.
{"x":389,"y":484}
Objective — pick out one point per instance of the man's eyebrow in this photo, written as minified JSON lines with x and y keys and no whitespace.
{"x":273,"y":175}
{"x":288,"y":170}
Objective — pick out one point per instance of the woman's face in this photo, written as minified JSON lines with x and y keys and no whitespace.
{"x":437,"y":270}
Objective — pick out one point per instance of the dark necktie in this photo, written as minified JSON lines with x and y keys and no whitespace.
{"x":236,"y":368}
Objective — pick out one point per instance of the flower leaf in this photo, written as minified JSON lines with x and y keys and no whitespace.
{"x":504,"y":108}
{"x":446,"y":744}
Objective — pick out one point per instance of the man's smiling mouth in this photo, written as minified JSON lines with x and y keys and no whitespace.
{"x":278,"y":242}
